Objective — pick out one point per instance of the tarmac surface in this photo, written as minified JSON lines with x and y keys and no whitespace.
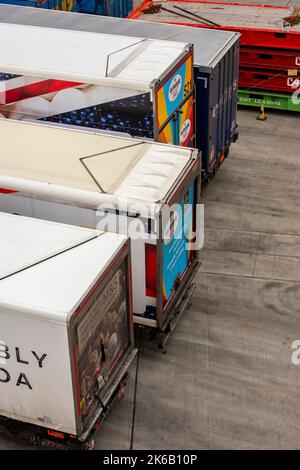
{"x":227,"y":379}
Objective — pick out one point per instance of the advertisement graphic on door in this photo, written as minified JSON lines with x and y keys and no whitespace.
{"x":178,"y":238}
{"x":175,"y":106}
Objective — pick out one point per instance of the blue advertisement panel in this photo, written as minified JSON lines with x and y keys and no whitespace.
{"x":177,"y":241}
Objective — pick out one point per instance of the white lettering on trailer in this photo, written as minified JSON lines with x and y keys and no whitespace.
{"x":175,"y":87}
{"x":297,"y":61}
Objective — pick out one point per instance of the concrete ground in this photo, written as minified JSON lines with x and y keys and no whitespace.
{"x":227,"y":380}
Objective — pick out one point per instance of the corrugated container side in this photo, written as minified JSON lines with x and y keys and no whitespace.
{"x":217,"y":107}
{"x":224,"y":102}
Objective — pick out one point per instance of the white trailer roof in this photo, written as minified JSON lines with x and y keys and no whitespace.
{"x":84,"y":56}
{"x":216,"y":42}
{"x":124,"y":167}
{"x":47,"y":268}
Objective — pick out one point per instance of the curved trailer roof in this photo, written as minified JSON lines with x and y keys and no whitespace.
{"x":38,"y":257}
{"x":209,"y":45}
{"x":86,"y":57}
{"x":95,"y":164}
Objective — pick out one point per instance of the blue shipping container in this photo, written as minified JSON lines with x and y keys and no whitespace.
{"x":117,"y":8}
{"x":216,"y":66}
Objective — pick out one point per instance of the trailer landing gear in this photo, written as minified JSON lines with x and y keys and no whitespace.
{"x":162,"y":337}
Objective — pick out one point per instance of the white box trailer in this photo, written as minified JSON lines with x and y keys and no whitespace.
{"x":147,"y":190}
{"x":66,"y":327}
{"x":143,"y":87}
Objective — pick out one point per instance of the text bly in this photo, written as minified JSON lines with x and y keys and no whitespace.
{"x":7,"y":354}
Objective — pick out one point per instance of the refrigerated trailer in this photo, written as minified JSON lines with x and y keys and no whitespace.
{"x":139,"y":86}
{"x":66,"y":328}
{"x":215,"y":69}
{"x":147,"y":190}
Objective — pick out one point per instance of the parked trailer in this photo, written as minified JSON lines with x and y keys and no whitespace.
{"x":66,"y":328}
{"x":265,"y":26}
{"x":140,"y":86}
{"x":215,"y":69}
{"x":118,"y":8}
{"x":148,"y":190}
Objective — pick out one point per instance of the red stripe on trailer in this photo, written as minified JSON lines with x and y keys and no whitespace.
{"x":267,"y":80}
{"x":269,"y":59}
{"x":40,"y":88}
{"x":251,"y":37}
{"x":7,"y":191}
{"x":151,"y":273}
{"x":36,"y":89}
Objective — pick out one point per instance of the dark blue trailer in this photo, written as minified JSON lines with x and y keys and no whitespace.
{"x":118,"y":8}
{"x":216,"y":66}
